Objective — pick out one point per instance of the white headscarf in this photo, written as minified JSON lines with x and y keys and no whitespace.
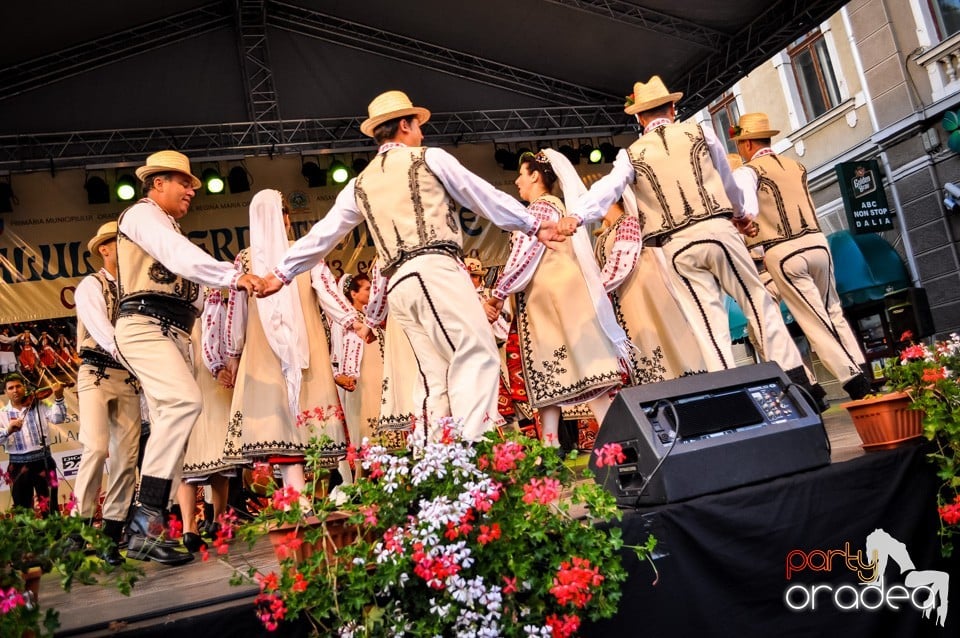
{"x":281,"y":314}
{"x":573,"y":187}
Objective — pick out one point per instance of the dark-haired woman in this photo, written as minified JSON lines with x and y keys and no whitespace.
{"x":363,"y":363}
{"x":570,"y":344}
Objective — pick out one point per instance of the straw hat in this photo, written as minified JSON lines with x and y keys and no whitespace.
{"x":388,"y":106}
{"x":105,"y":233}
{"x":164,"y":162}
{"x":650,"y":95}
{"x":752,"y":126}
{"x":474,"y":266}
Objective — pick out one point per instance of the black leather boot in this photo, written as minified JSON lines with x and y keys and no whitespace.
{"x":145,"y":538}
{"x":145,"y":529}
{"x":820,"y":396}
{"x":112,"y":530}
{"x":857,"y":387}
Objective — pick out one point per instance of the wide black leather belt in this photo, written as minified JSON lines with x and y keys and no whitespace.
{"x":437,"y":249}
{"x":168,"y":311}
{"x":98,"y":359}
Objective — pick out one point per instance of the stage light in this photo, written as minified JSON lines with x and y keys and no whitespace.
{"x":314,"y":175}
{"x":98,"y":191}
{"x":586,"y":150}
{"x":570,"y":153}
{"x":595,"y":156}
{"x":212,"y":181}
{"x":126,"y":188}
{"x":7,"y":198}
{"x":506,"y":158}
{"x":339,"y":172}
{"x":239,"y":179}
{"x":609,"y":152}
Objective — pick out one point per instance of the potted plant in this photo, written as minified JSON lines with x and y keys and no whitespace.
{"x":930,"y":376}
{"x":32,"y":545}
{"x":448,"y":538}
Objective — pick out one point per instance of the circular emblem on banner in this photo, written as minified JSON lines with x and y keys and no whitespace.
{"x":298,"y":200}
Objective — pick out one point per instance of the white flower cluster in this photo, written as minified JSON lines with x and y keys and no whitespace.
{"x":394,"y":467}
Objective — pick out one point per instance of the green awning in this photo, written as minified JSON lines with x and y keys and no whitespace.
{"x":865,"y":266}
{"x":738,"y":322}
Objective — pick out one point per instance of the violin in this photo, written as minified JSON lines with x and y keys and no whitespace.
{"x":40,"y":394}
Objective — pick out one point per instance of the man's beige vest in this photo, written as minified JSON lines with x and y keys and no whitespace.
{"x":786,"y":210}
{"x":85,"y":340}
{"x":407,"y":209}
{"x":140,"y":275}
{"x":677,"y":183}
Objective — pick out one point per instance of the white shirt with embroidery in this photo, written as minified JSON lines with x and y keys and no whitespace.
{"x":158,"y":234}
{"x":92,"y":311}
{"x":593,"y":205}
{"x":464,"y":187}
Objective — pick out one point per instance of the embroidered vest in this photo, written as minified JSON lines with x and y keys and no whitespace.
{"x":140,"y":275}
{"x":85,"y":340}
{"x":677,"y":183}
{"x":786,"y":210}
{"x":407,"y":209}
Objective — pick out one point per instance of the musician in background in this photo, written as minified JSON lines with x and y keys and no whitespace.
{"x":24,"y":433}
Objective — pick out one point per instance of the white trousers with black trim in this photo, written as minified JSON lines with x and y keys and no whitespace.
{"x":109,"y":409}
{"x":707,"y":259}
{"x":433,"y":300}
{"x":802,"y":269}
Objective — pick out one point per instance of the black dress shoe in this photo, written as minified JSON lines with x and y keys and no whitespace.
{"x":112,"y":556}
{"x":192,"y":542}
{"x":143,"y":548}
{"x":145,"y":538}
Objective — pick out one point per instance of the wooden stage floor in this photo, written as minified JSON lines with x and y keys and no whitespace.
{"x":171,"y":594}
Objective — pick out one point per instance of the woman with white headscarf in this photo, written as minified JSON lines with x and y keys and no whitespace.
{"x":643,"y":299}
{"x":570,"y":342}
{"x":285,"y":393}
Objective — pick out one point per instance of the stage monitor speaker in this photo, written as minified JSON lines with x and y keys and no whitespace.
{"x":726,"y":429}
{"x":908,"y":309}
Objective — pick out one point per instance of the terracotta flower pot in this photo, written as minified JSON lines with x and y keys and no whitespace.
{"x":339,"y":533}
{"x":886,"y":421}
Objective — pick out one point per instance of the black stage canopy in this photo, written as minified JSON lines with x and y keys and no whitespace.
{"x":83,"y":83}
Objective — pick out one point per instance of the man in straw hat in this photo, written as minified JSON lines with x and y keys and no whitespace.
{"x":795,"y":252}
{"x":407,"y":196}
{"x":686,"y":200}
{"x":159,"y":299}
{"x":109,"y":400}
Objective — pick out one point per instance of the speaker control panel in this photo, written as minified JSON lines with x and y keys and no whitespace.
{"x":775,"y":404}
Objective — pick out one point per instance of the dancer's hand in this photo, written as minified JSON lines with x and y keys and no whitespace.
{"x":550,"y":235}
{"x":364,"y":332}
{"x":568,"y":225}
{"x":250,"y":283}
{"x":233,"y":366}
{"x":347,"y":383}
{"x":492,"y":308}
{"x":225,"y":378}
{"x":747,"y":227}
{"x":269,"y":285}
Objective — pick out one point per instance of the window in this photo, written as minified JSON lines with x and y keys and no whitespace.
{"x":814,"y":74}
{"x":947,"y":15}
{"x":724,"y":114}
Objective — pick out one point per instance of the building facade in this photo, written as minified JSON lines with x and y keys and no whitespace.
{"x":873,"y":82}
